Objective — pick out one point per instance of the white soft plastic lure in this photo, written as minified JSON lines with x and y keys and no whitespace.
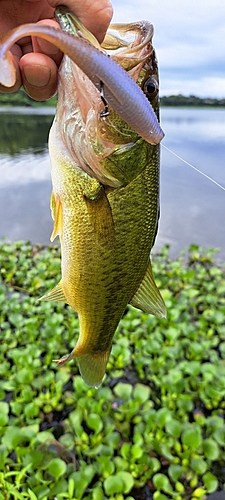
{"x":120,"y":90}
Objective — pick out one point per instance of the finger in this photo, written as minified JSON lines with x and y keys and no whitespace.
{"x":94,"y":14}
{"x":42,"y":46}
{"x":39,"y":76}
{"x":8,"y":90}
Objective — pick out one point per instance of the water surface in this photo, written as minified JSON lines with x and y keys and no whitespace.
{"x":192,"y":208}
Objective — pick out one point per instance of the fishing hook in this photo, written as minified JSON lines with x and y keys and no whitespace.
{"x":104,"y":113}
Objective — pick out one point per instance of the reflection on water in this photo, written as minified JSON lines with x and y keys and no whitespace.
{"x":24,"y":131}
{"x":25,"y":181}
{"x":192,"y":208}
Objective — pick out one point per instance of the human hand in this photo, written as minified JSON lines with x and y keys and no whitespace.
{"x":36,"y":60}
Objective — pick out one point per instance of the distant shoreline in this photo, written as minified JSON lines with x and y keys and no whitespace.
{"x":20,"y":98}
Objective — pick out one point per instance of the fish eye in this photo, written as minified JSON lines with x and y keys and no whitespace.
{"x":150,"y":88}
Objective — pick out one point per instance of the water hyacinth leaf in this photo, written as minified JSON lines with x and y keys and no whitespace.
{"x":219,"y":435}
{"x":198,"y":493}
{"x":199,"y":465}
{"x":98,"y":493}
{"x":94,"y":422}
{"x":123,"y":390}
{"x":141,"y":393}
{"x":32,"y":495}
{"x":163,"y":416}
{"x":173,"y":427}
{"x":192,"y":438}
{"x":210,"y":481}
{"x":159,"y":496}
{"x":42,"y":491}
{"x":12,"y":437}
{"x":175,"y":471}
{"x":56,"y":468}
{"x":107,"y":465}
{"x":4,"y":410}
{"x":154,"y":464}
{"x":126,"y":450}
{"x":3,"y":455}
{"x":185,"y":404}
{"x":137,"y":451}
{"x":31,"y":409}
{"x":210,"y":449}
{"x":127,"y":479}
{"x":161,"y":482}
{"x":114,"y":484}
{"x":82,"y":479}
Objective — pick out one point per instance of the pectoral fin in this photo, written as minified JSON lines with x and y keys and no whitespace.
{"x":56,"y":208}
{"x":55,"y":295}
{"x":148,"y":298}
{"x":100,"y":215}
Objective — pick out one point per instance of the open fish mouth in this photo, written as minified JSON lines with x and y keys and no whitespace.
{"x":90,"y":129}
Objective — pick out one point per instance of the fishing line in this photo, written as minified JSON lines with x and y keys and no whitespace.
{"x":194,"y":168}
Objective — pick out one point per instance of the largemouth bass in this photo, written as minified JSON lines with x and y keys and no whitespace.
{"x":105,"y":175}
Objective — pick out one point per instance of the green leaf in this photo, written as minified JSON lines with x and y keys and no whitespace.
{"x":141,"y":393}
{"x":94,"y":422}
{"x":219,"y":435}
{"x":97,"y":493}
{"x":12,"y":437}
{"x":161,"y":482}
{"x":56,"y":468}
{"x":199,"y":465}
{"x":159,"y":496}
{"x":4,"y":410}
{"x":137,"y":451}
{"x":210,"y":481}
{"x":123,"y":390}
{"x":174,"y":428}
{"x":3,"y":455}
{"x":127,"y":479}
{"x":163,"y":416}
{"x":114,"y":484}
{"x":32,"y":495}
{"x":210,"y":449}
{"x":175,"y":471}
{"x":192,"y":438}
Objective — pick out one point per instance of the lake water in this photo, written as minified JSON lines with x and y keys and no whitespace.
{"x":192,"y":207}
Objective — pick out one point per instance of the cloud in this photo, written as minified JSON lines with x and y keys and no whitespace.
{"x":189,"y":40}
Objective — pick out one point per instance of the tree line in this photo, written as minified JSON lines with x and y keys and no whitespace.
{"x":20,"y":98}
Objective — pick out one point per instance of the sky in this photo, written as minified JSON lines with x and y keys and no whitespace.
{"x":189,"y":40}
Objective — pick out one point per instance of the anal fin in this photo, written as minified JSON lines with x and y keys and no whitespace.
{"x":55,"y":295}
{"x":148,"y":298}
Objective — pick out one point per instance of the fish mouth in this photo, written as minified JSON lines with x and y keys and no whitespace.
{"x":87,"y":134}
{"x":128,"y":44}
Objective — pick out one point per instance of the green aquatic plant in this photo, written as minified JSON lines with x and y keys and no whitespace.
{"x":156,"y":424}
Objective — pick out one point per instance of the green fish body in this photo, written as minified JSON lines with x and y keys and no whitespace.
{"x":105,"y":200}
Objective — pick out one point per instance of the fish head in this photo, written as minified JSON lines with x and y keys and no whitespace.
{"x":95,"y":139}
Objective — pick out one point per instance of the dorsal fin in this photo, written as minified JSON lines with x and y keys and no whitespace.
{"x":148,"y":298}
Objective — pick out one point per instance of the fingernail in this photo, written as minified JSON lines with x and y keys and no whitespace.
{"x":37,"y":75}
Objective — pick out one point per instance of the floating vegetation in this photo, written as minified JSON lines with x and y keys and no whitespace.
{"x":154,"y":429}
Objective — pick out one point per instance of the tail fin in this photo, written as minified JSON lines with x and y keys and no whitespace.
{"x":93,"y":366}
